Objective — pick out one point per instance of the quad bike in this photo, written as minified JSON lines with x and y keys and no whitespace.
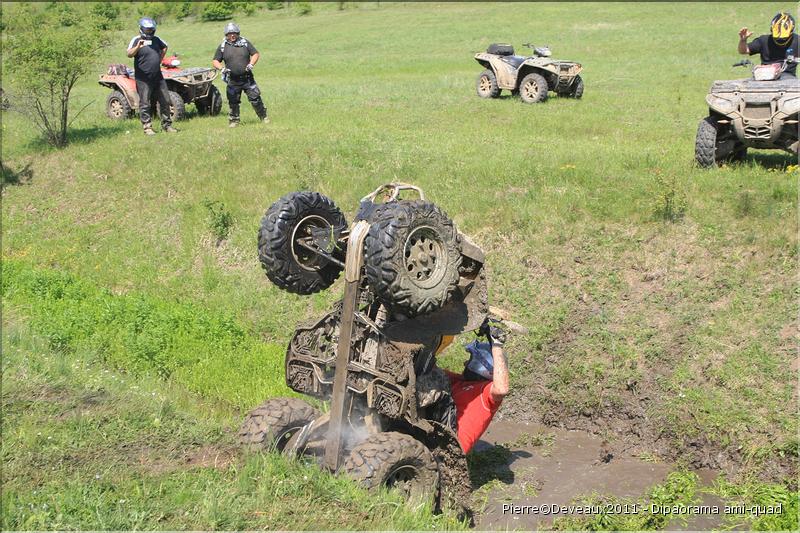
{"x":410,"y":277}
{"x":186,"y":86}
{"x":531,"y":77}
{"x":758,"y":112}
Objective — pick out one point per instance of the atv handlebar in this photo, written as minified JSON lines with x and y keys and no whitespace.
{"x":395,"y":188}
{"x":742,"y":63}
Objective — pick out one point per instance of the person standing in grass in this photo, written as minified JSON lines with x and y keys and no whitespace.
{"x":240,"y":58}
{"x":147,"y":51}
{"x":781,"y":43}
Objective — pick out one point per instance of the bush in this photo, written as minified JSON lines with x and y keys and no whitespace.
{"x":45,"y":58}
{"x":106,"y":14}
{"x":155,"y":10}
{"x":272,"y":6}
{"x":303,"y":8}
{"x":220,"y":219}
{"x":670,"y":202}
{"x":218,"y":11}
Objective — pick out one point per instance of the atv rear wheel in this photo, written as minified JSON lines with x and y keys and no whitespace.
{"x":117,"y":106}
{"x":271,"y":425}
{"x":289,"y":265}
{"x":533,"y":88}
{"x":211,"y":104}
{"x":575,"y":90}
{"x":176,"y":106}
{"x":413,"y":252}
{"x":395,"y":460}
{"x":486,"y":86}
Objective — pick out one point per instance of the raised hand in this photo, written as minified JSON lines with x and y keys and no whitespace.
{"x":745,"y":34}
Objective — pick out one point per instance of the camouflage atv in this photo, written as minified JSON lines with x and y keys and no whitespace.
{"x":410,"y":277}
{"x":186,"y":86}
{"x":759,"y":112}
{"x":531,"y":77}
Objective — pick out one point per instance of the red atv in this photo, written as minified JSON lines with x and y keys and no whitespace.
{"x":186,"y":86}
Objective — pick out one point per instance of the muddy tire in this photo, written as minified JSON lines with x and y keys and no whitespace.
{"x":705,"y":145}
{"x":270,"y":425}
{"x":287,"y":264}
{"x":211,"y":104}
{"x":575,"y":90}
{"x":533,"y":88}
{"x":413,"y":251}
{"x":486,"y":85}
{"x":176,"y":106}
{"x":395,"y":460}
{"x":117,"y":106}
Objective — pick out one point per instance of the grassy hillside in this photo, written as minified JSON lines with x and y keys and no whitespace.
{"x":661,"y":298}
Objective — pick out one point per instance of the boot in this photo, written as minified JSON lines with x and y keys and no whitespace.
{"x":233,"y":123}
{"x":170,"y":129}
{"x":266,"y":120}
{"x":148,"y":129}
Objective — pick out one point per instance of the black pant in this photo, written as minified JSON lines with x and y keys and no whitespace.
{"x":234,"y":92}
{"x":149,"y":93}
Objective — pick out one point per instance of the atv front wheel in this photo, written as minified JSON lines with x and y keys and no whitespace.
{"x":395,"y":460}
{"x":486,"y":85}
{"x":413,"y":252}
{"x":575,"y":90}
{"x":211,"y":104}
{"x":271,"y":425}
{"x":533,"y":88}
{"x":287,"y":225}
{"x":117,"y":106}
{"x":176,"y":106}
{"x":714,"y":145}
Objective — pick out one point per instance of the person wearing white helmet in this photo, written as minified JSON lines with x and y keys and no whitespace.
{"x":775,"y":47}
{"x":147,"y":51}
{"x":240,"y":58}
{"x":476,"y":394}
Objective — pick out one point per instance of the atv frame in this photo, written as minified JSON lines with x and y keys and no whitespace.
{"x":366,"y":360}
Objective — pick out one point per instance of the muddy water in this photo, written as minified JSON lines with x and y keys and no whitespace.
{"x":555,"y":472}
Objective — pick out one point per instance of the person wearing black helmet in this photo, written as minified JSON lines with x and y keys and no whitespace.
{"x":240,"y":58}
{"x":147,"y":51}
{"x":775,"y":47}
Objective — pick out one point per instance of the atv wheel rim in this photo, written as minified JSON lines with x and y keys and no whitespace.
{"x":402,"y":479}
{"x":115,"y":106}
{"x":424,"y":257}
{"x":307,"y":259}
{"x":485,"y":84}
{"x":531,"y":89}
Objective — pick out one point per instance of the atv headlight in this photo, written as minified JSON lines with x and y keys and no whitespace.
{"x":722,"y":105}
{"x":790,"y":106}
{"x":175,"y":62}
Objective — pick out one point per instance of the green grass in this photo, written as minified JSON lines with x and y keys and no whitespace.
{"x":646,"y":283}
{"x":89,"y":448}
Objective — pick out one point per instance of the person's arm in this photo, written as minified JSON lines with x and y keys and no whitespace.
{"x":133,"y":48}
{"x":499,"y":388}
{"x":217,"y":65}
{"x":254,"y":58}
{"x":164,"y":49}
{"x":744,"y":34}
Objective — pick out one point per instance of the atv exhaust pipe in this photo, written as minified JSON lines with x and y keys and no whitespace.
{"x":354,"y":260}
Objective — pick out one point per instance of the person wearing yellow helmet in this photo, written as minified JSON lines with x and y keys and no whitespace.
{"x":775,"y":47}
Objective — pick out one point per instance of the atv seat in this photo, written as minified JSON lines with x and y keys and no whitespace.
{"x":514,"y":61}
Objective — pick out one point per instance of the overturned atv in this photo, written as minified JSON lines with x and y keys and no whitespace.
{"x":410,"y":277}
{"x":759,"y":112}
{"x":529,"y":76}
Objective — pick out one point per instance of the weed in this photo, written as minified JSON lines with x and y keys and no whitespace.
{"x":670,"y":201}
{"x":219,"y":219}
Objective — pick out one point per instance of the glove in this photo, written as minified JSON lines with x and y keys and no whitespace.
{"x":249,"y":67}
{"x":493,"y":331}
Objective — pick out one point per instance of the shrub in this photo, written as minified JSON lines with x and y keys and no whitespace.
{"x":220,"y":219}
{"x":272,"y":6}
{"x":107,"y":14}
{"x":303,"y":8}
{"x":670,"y":202}
{"x":218,"y":11}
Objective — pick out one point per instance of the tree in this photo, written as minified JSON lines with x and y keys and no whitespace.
{"x":44,"y":60}
{"x":218,"y":11}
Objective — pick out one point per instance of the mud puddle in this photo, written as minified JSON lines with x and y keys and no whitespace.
{"x":541,"y":466}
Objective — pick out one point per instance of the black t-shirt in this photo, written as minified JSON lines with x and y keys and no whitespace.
{"x":772,"y":52}
{"x":147,"y":61}
{"x":236,"y":56}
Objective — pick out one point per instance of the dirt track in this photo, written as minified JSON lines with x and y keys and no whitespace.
{"x":557,"y":469}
